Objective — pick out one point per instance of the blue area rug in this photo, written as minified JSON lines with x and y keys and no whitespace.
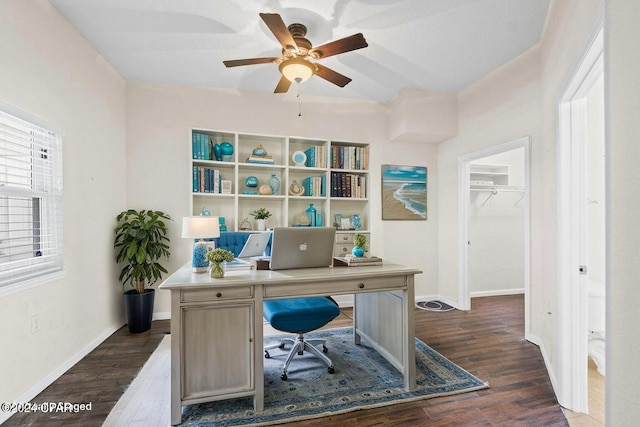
{"x":362,"y":379}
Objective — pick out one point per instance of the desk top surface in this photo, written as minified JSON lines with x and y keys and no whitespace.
{"x":185,"y":278}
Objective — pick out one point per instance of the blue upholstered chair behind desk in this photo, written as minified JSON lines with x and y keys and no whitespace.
{"x":297,"y":315}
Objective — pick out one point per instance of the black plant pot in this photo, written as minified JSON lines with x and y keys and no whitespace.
{"x":139,"y":309}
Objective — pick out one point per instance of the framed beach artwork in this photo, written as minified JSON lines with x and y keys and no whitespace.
{"x":404,"y":192}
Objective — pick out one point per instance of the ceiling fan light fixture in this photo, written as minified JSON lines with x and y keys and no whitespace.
{"x":297,"y":69}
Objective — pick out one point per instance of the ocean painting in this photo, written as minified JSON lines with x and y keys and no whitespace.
{"x":404,"y":192}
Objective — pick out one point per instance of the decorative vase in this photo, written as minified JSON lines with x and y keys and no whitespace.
{"x":216,"y":270}
{"x":259,"y":151}
{"x":274,"y":183}
{"x":251,"y":181}
{"x":311,"y":214}
{"x":217,"y":152}
{"x":261,"y":224}
{"x":226,"y":149}
{"x":357,"y":251}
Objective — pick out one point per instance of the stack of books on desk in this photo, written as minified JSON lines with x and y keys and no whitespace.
{"x":351,"y":261}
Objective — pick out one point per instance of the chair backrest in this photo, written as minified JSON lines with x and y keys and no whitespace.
{"x":234,"y":241}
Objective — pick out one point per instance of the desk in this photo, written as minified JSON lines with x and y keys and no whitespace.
{"x":216,"y":324}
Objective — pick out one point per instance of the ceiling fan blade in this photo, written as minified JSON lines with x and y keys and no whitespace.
{"x":283,"y":85}
{"x":336,"y":47}
{"x":250,"y":61}
{"x":279,"y":29}
{"x":332,"y":76}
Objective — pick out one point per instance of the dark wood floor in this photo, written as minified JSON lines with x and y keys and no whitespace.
{"x":487,"y":341}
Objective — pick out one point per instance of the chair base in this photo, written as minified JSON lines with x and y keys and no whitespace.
{"x":299,"y":346}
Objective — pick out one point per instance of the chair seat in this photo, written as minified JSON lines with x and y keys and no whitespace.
{"x":300,"y":315}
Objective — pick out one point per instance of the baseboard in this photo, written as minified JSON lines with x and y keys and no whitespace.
{"x":497,"y":293}
{"x":163,"y":315}
{"x":534,"y":339}
{"x":39,"y":387}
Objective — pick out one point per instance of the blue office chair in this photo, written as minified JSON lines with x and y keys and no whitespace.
{"x":299,"y":316}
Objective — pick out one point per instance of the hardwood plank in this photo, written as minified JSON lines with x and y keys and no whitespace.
{"x":488,"y":341}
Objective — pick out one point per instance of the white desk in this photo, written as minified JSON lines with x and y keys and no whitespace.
{"x":216,"y":324}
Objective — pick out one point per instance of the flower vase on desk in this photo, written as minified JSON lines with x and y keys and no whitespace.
{"x":216,"y":270}
{"x":274,"y":183}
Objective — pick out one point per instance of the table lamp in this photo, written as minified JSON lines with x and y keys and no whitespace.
{"x":200,"y":227}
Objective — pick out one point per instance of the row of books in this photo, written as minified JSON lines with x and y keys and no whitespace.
{"x":315,"y":186}
{"x":206,"y":180}
{"x":316,"y":157}
{"x":345,"y":184}
{"x":349,"y":157}
{"x":201,"y":146}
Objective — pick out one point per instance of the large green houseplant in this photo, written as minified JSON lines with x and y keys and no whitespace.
{"x":141,"y":242}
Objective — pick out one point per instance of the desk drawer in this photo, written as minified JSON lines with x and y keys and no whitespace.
{"x":217,"y":294}
{"x":337,"y":287}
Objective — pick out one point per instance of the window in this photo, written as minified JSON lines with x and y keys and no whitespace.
{"x":30,"y":200}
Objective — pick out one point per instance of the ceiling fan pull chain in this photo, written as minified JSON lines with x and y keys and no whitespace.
{"x":298,"y":96}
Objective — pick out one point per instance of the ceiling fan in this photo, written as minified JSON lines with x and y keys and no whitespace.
{"x":298,"y":55}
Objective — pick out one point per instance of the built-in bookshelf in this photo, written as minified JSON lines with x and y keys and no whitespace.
{"x":331,"y":175}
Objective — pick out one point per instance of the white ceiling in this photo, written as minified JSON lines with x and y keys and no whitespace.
{"x":439,"y":45}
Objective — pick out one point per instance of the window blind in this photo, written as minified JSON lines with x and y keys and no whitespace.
{"x":30,"y":200}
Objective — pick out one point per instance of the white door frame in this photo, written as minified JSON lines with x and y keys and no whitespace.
{"x":572,"y":333}
{"x":464,"y":195}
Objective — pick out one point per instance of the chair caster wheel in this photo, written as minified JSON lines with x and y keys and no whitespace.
{"x":283,"y":377}
{"x":267,"y":355}
{"x":331,"y":370}
{"x":325,"y":349}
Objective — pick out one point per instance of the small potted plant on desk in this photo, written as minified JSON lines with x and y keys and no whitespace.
{"x":215,"y":258}
{"x":261,"y":215}
{"x":360,"y":245}
{"x":140,"y":241}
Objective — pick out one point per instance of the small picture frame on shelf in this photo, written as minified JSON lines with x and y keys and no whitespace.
{"x":337,"y":220}
{"x":345,"y":223}
{"x":226,"y":186}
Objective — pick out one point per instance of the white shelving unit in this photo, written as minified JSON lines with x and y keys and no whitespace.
{"x":343,"y":167}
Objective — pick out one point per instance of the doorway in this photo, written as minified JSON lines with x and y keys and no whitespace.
{"x":490,"y":186}
{"x":581,"y":229}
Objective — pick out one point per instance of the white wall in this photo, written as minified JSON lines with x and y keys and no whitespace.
{"x":519,"y":99}
{"x":159,"y":118}
{"x":622,"y":95}
{"x":496,"y":232}
{"x":51,"y":72}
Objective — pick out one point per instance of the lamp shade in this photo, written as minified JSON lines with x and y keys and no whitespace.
{"x":296,"y":69}
{"x":200,"y":227}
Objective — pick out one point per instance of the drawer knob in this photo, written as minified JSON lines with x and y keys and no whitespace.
{"x":361,"y":285}
{"x":219,"y":294}
{"x":345,"y":237}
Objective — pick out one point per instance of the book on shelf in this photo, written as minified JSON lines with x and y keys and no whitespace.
{"x":352,"y":261}
{"x":201,"y":146}
{"x":349,"y":157}
{"x":345,"y":184}
{"x":265,"y":160}
{"x":316,"y":157}
{"x":207,"y":180}
{"x":314,"y":186}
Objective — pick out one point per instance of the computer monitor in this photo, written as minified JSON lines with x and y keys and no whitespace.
{"x":302,"y":247}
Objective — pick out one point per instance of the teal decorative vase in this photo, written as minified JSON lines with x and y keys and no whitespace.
{"x":274,"y":183}
{"x":357,"y":251}
{"x":251,"y":181}
{"x":311,"y":214}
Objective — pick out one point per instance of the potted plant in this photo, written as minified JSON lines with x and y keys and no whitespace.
{"x":261,"y":215}
{"x":360,"y":245}
{"x":216,"y":257}
{"x":140,"y":242}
